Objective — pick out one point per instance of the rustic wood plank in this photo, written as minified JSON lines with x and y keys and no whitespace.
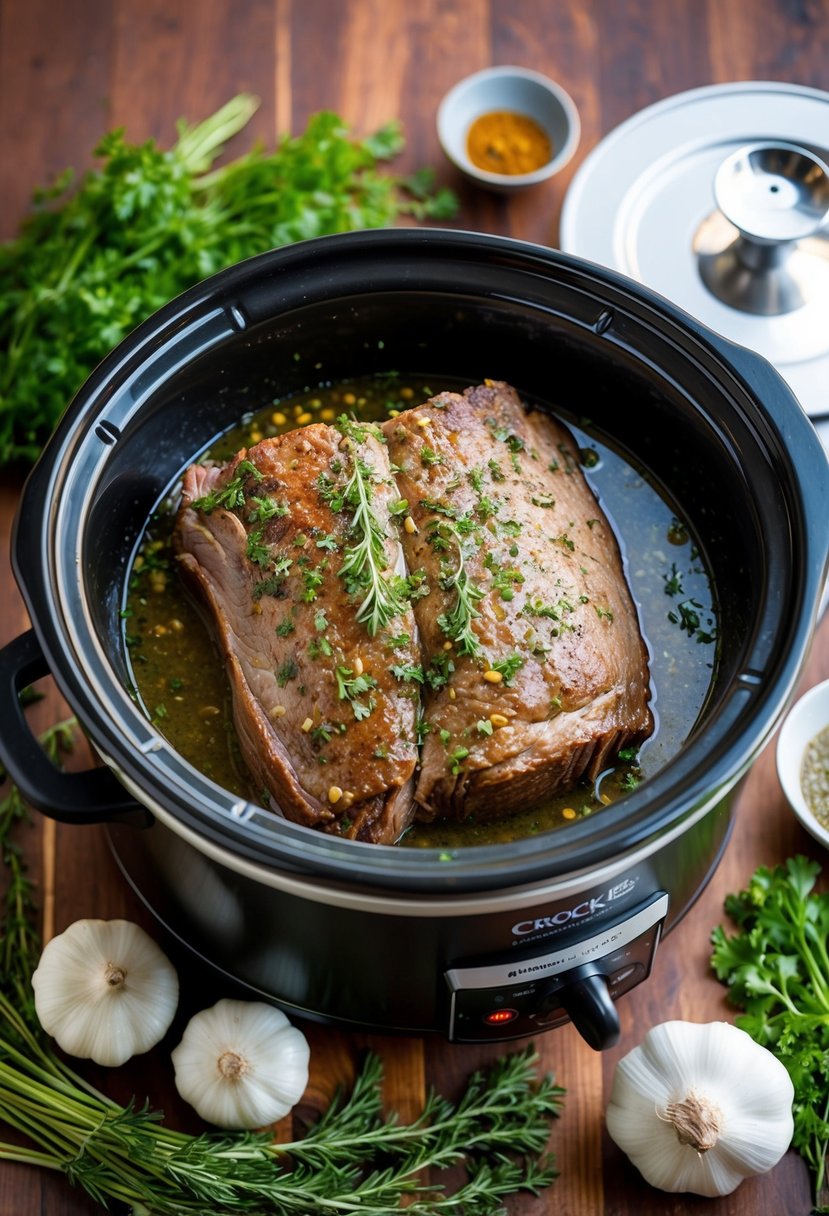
{"x":54,"y":78}
{"x":782,"y":40}
{"x":175,"y":59}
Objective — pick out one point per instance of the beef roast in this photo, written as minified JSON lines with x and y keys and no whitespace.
{"x":535,"y":672}
{"x":292,"y":549}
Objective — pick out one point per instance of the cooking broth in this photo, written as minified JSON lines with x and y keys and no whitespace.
{"x":180,"y":680}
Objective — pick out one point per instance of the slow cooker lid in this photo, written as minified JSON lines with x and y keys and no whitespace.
{"x":91,"y":472}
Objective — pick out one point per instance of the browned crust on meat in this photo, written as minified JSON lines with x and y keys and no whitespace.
{"x":555,"y":598}
{"x":281,"y":682}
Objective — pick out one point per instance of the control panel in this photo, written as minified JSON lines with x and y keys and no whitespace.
{"x":510,"y":996}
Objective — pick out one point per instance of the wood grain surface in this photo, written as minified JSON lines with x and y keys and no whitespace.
{"x":69,"y":69}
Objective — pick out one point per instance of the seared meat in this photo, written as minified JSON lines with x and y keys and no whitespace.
{"x":535,"y":670}
{"x":292,"y":548}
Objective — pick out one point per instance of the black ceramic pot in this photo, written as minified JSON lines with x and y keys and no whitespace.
{"x":556,"y":926}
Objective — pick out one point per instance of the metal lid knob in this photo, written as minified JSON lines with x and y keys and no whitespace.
{"x":775,"y":195}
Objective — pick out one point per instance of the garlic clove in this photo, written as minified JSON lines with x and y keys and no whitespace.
{"x":105,"y":991}
{"x":241,"y":1064}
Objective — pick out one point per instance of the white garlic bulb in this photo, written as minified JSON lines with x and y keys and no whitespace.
{"x":700,"y":1107}
{"x":241,"y":1064}
{"x":105,"y":991}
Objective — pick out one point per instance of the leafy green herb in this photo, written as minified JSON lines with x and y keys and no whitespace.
{"x":399,"y":639}
{"x":495,"y":471}
{"x":504,"y":578}
{"x":457,"y":622}
{"x":407,"y":672}
{"x":285,"y":626}
{"x":231,"y":495}
{"x":287,"y":671}
{"x":673,"y":581}
{"x":776,"y":968}
{"x":264,"y":508}
{"x":439,"y":670}
{"x":429,"y":456}
{"x":312,"y":578}
{"x":351,"y":686}
{"x":365,"y":560}
{"x":508,"y":667}
{"x":274,"y":584}
{"x":91,"y":263}
{"x":455,"y":760}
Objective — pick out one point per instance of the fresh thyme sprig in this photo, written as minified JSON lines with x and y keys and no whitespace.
{"x":365,"y":561}
{"x":354,"y":1160}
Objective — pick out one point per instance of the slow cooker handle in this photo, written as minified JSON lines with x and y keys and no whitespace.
{"x":92,"y":796}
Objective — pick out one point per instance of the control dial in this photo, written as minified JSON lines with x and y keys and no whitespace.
{"x":586,"y":1000}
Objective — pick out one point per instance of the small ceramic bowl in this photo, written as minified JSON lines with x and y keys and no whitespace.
{"x":520,"y":91}
{"x":806,"y":718}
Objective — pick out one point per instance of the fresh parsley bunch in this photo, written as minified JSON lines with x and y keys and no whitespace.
{"x":777,"y":970}
{"x":90,"y":263}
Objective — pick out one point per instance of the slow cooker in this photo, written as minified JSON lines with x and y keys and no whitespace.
{"x":486,"y":942}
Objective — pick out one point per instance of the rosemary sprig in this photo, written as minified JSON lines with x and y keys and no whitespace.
{"x":354,"y":1160}
{"x":457,"y":622}
{"x":365,"y":561}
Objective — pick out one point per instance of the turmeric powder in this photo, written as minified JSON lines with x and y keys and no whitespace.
{"x":502,"y":141}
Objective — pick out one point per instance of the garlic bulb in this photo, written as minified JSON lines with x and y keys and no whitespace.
{"x":241,"y":1064}
{"x":700,"y":1107}
{"x":105,"y":991}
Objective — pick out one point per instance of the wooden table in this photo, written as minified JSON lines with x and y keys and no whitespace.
{"x":68,"y":71}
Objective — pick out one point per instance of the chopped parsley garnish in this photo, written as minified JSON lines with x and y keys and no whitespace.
{"x":351,"y":686}
{"x":285,"y":626}
{"x":312,"y":577}
{"x":673,"y":581}
{"x":231,"y":495}
{"x":399,"y":639}
{"x":508,"y":667}
{"x":429,"y":456}
{"x":264,"y":508}
{"x":455,"y":760}
{"x":407,"y":672}
{"x":287,"y":671}
{"x":274,"y":583}
{"x":439,"y":670}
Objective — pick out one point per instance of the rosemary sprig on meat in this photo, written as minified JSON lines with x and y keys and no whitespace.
{"x":457,"y":622}
{"x":365,"y":560}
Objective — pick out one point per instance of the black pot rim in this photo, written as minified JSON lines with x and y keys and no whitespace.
{"x":744,"y":720}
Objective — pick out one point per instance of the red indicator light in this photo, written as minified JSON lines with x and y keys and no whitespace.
{"x":499,"y":1017}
